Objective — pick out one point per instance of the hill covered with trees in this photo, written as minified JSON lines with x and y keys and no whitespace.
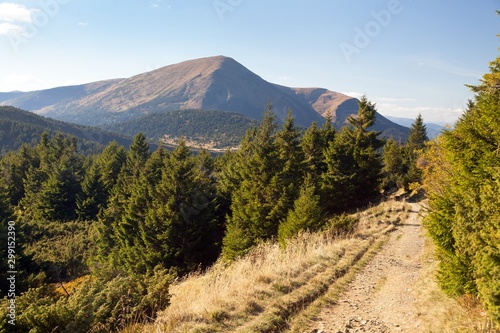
{"x":18,"y":127}
{"x":200,"y":128}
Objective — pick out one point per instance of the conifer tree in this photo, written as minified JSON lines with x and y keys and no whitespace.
{"x":353,"y":161}
{"x":258,"y":204}
{"x":306,"y":214}
{"x":328,"y":130}
{"x":109,"y":163}
{"x":464,"y":215}
{"x":291,"y":159}
{"x":138,"y":154}
{"x":418,"y":134}
{"x":93,"y":195}
{"x":412,"y":150}
{"x":52,"y":185}
{"x":181,"y":221}
{"x":393,"y":168}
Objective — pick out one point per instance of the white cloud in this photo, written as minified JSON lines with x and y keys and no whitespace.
{"x":82,"y":24}
{"x":10,"y":29}
{"x":11,"y":12}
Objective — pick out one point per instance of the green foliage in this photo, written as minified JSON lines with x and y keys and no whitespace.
{"x":401,"y":162}
{"x":217,"y":128}
{"x":265,"y":174}
{"x":418,"y":134}
{"x":127,"y":218}
{"x":393,"y":168}
{"x":461,"y":177}
{"x":60,"y":250}
{"x":342,"y":224}
{"x":353,"y":162}
{"x":163,"y":211}
{"x":99,"y":304}
{"x":51,"y":187}
{"x":307,"y":213}
{"x":18,"y":127}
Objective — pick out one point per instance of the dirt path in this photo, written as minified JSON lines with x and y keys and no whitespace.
{"x":382,"y":298}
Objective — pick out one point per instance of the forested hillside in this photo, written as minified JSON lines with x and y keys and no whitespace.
{"x":101,"y":237}
{"x":18,"y":127}
{"x":201,"y":128}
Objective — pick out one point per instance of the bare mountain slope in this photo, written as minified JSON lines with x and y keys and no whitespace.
{"x":214,"y":83}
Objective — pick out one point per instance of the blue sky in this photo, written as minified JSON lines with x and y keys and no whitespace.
{"x":408,"y":56}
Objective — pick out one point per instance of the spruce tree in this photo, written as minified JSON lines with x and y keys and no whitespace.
{"x":93,"y":196}
{"x":418,"y":134}
{"x":393,"y":168}
{"x":52,"y":185}
{"x":412,"y":150}
{"x":259,"y":202}
{"x":464,"y":214}
{"x":312,"y":145}
{"x":307,"y":213}
{"x":353,"y":161}
{"x":181,"y":221}
{"x":291,"y":161}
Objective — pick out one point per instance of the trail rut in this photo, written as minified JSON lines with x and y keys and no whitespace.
{"x":382,"y":298}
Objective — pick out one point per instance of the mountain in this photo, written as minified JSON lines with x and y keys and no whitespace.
{"x":433,"y":130}
{"x":18,"y":127}
{"x":201,"y":128}
{"x":214,"y":83}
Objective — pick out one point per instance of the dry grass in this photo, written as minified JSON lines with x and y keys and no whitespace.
{"x":263,"y":290}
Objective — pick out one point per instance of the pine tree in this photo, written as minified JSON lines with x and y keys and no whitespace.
{"x":109,"y":163}
{"x":464,"y":215}
{"x":51,"y":187}
{"x":353,"y":161}
{"x":93,"y":196}
{"x":291,"y":160}
{"x":328,"y":130}
{"x":393,"y":168}
{"x":418,"y":134}
{"x":138,"y":154}
{"x":412,"y":150}
{"x":306,"y":214}
{"x":312,"y":145}
{"x":258,"y":204}
{"x":180,"y":224}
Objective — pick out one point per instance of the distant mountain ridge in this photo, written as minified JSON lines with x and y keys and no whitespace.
{"x":213,"y":83}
